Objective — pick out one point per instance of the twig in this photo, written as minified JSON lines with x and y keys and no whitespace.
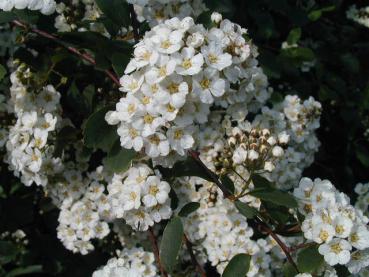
{"x":212,"y":175}
{"x":281,"y":244}
{"x":300,"y":246}
{"x":73,"y":50}
{"x":155,"y":249}
{"x":196,"y":264}
{"x":135,"y":24}
{"x":258,"y":220}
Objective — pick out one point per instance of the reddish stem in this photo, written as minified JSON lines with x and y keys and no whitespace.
{"x":196,"y":264}
{"x":155,"y":249}
{"x":71,"y":49}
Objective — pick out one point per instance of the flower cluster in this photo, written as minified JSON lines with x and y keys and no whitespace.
{"x":179,"y":72}
{"x":69,"y":16}
{"x":37,"y":113}
{"x":139,"y":197}
{"x":131,"y":262}
{"x":83,"y":216}
{"x":157,"y":11}
{"x":330,"y":220}
{"x":360,"y":16}
{"x":46,"y":7}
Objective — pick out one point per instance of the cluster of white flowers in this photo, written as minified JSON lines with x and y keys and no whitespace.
{"x":359,"y":15}
{"x":46,"y":7}
{"x":70,"y":14}
{"x":37,"y":112}
{"x":330,"y":220}
{"x":179,"y":72}
{"x":18,"y":236}
{"x":157,"y":11}
{"x":131,"y":262}
{"x":139,"y":197}
{"x":84,"y":214}
{"x":362,"y":201}
{"x":299,"y":119}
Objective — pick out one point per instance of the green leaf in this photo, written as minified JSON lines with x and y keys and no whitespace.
{"x":316,"y":14}
{"x":98,"y":133}
{"x":119,"y":159}
{"x":8,"y":252}
{"x":309,"y":260}
{"x":228,"y":183}
{"x":119,"y":62}
{"x":276,"y":196}
{"x":246,"y":210}
{"x":289,"y":270}
{"x":116,"y":10}
{"x":187,"y":168}
{"x":261,"y":182}
{"x":25,"y":270}
{"x":188,"y":209}
{"x":171,"y":243}
{"x":238,"y":266}
{"x":64,"y":137}
{"x":2,"y":72}
{"x":294,"y":36}
{"x":6,"y":17}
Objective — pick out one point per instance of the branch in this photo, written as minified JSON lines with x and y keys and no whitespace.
{"x":135,"y":24}
{"x":281,"y":244}
{"x":230,"y":196}
{"x":155,"y":249}
{"x":196,"y":264}
{"x":73,"y":50}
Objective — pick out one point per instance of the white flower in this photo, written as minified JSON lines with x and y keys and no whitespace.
{"x":323,"y":232}
{"x":130,"y":137}
{"x":207,"y":85}
{"x":342,"y":226}
{"x":166,"y":41}
{"x":156,"y":145}
{"x":277,"y":151}
{"x":216,"y":17}
{"x":187,"y":62}
{"x":156,"y":191}
{"x":215,"y":57}
{"x":359,"y":237}
{"x":359,"y":260}
{"x":337,"y":251}
{"x":177,"y":90}
{"x":164,"y":67}
{"x":180,"y":139}
{"x":239,"y":155}
{"x":131,"y":83}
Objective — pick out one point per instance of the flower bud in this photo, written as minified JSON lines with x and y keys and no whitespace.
{"x":216,"y":17}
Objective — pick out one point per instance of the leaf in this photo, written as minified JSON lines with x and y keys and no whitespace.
{"x":227,"y":183}
{"x":309,"y":260}
{"x":171,"y":243}
{"x":246,"y":210}
{"x":276,"y":196}
{"x":25,"y":270}
{"x":65,"y":135}
{"x":316,"y":14}
{"x":6,"y":17}
{"x":289,"y":270}
{"x":294,"y":36}
{"x":188,"y":209}
{"x":238,"y":266}
{"x":8,"y":252}
{"x":116,"y":10}
{"x":187,"y":168}
{"x":119,"y":62}
{"x":261,"y":182}
{"x":98,"y":133}
{"x":2,"y":72}
{"x":119,"y":159}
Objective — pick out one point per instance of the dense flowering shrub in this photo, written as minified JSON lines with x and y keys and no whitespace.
{"x":179,"y":156}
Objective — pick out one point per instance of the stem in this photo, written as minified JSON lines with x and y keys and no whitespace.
{"x":302,"y":245}
{"x":71,"y":49}
{"x":155,"y":249}
{"x":212,"y":175}
{"x":135,"y":24}
{"x":281,"y":244}
{"x":196,"y":264}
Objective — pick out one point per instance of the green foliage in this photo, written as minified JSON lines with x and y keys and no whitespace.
{"x":246,"y":210}
{"x":171,"y":243}
{"x":188,"y":209}
{"x":98,"y":133}
{"x":309,"y":260}
{"x":2,"y":72}
{"x":119,"y":159}
{"x":238,"y":266}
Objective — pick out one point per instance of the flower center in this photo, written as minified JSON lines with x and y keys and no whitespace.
{"x":186,"y":64}
{"x":205,"y":83}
